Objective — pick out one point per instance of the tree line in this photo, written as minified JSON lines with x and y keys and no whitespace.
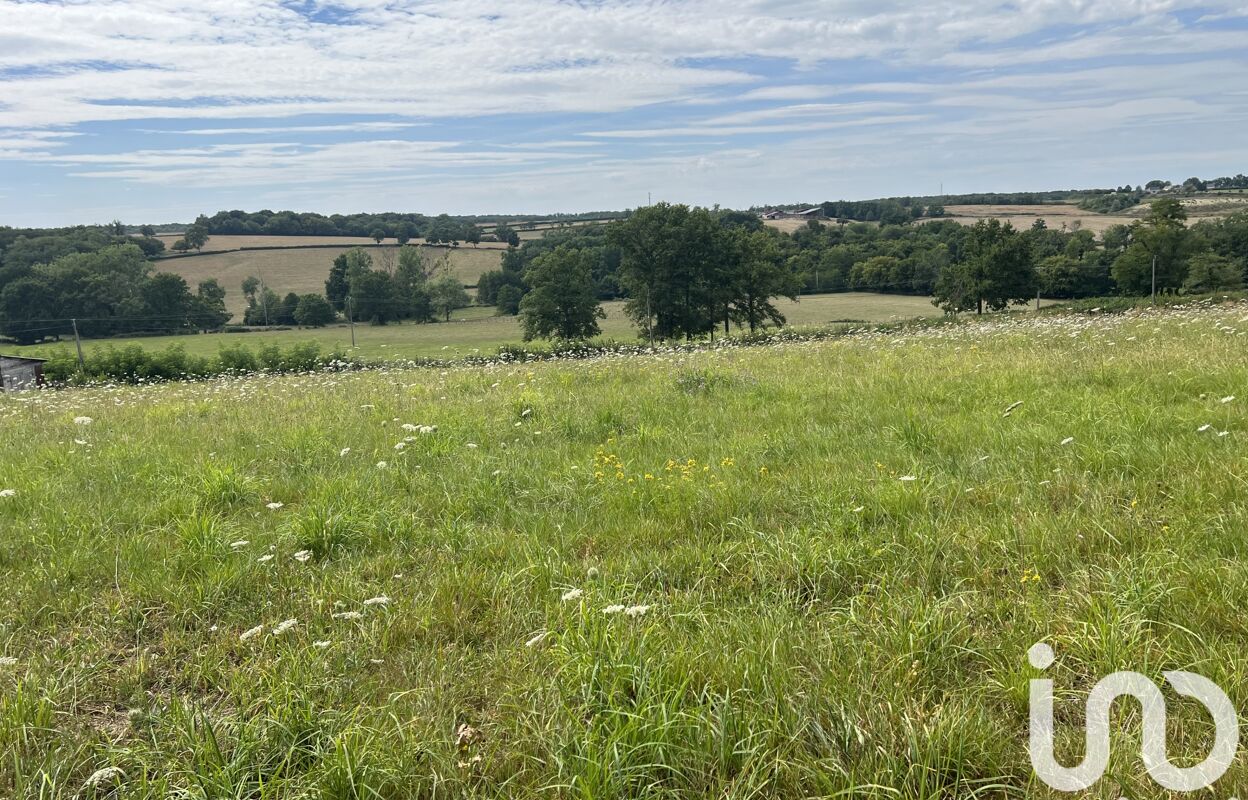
{"x":110,"y":291}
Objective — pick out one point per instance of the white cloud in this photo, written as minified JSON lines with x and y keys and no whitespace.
{"x":541,"y":101}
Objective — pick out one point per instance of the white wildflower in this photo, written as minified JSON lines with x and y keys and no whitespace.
{"x":241,"y":543}
{"x":264,"y":559}
{"x":7,"y":492}
{"x":1204,"y":428}
{"x":471,"y":446}
{"x":538,"y":639}
{"x":347,"y":615}
{"x":1067,"y":440}
{"x":322,"y":644}
{"x":303,"y":555}
{"x":573,"y":594}
{"x":7,"y":661}
{"x":1010,"y":408}
{"x":247,"y":634}
{"x":907,"y":478}
{"x":83,"y":420}
{"x":407,"y":426}
{"x":343,"y":452}
{"x":1223,"y":433}
{"x":284,"y":626}
{"x":104,"y":776}
{"x":382,"y":465}
{"x":637,"y":611}
{"x":1228,"y":399}
{"x":379,"y":600}
{"x":613,"y":609}
{"x":274,"y":506}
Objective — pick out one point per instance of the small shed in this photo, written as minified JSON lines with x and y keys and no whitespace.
{"x":20,"y":372}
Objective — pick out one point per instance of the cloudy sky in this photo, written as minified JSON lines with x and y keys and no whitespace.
{"x":157,"y":110}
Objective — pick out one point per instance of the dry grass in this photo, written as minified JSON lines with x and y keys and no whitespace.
{"x":303,"y":270}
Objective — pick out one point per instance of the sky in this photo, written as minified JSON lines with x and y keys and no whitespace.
{"x":159,"y":110}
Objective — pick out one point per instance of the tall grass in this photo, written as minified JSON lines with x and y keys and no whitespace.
{"x":807,"y":569}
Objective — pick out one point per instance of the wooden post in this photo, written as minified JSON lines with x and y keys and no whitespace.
{"x":78,"y":344}
{"x":351,"y":320}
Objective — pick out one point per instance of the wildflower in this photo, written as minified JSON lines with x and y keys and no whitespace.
{"x":907,"y":478}
{"x":284,"y":626}
{"x":1223,"y":433}
{"x":241,"y":543}
{"x":347,"y":615}
{"x":303,"y":555}
{"x":636,"y":611}
{"x":103,"y":776}
{"x":274,"y":506}
{"x":343,"y":452}
{"x":7,"y":492}
{"x":1204,"y":428}
{"x":763,"y":472}
{"x":8,"y":661}
{"x":322,"y":644}
{"x":858,"y":509}
{"x":83,"y":420}
{"x":613,"y":609}
{"x":471,"y":446}
{"x":572,"y":594}
{"x":247,"y":634}
{"x":379,"y":600}
{"x":407,"y":426}
{"x":538,"y":639}
{"x":400,"y":446}
{"x":1228,"y":399}
{"x":1067,"y":440}
{"x":465,"y":735}
{"x":266,"y":558}
{"x":382,"y":465}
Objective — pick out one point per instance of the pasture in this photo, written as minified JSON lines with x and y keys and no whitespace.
{"x":788,"y":571}
{"x":480,"y":330}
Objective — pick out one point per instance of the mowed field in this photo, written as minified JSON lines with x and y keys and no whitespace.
{"x":478,"y":329}
{"x":304,"y":270}
{"x":808,"y":570}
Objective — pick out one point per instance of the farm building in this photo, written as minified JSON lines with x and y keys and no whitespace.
{"x":811,"y":213}
{"x":19,"y":372}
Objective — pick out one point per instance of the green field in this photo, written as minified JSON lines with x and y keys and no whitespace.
{"x":479,"y":329}
{"x":804,"y":570}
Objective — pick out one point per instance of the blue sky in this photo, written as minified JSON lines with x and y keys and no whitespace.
{"x":155,"y":111}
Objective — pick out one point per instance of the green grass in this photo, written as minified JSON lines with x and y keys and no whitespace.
{"x":815,"y":625}
{"x":479,"y":329}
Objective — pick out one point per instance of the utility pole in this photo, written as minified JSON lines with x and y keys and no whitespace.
{"x":1154,"y":279}
{"x":78,"y":344}
{"x":351,"y":320}
{"x":264,"y":302}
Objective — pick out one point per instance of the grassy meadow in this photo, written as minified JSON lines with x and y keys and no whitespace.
{"x":789,"y":571}
{"x":479,"y":329}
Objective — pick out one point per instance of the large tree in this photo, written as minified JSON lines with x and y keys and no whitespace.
{"x":562,"y":302}
{"x":998,"y":270}
{"x":1161,"y":241}
{"x":759,"y":274}
{"x":671,"y":264}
